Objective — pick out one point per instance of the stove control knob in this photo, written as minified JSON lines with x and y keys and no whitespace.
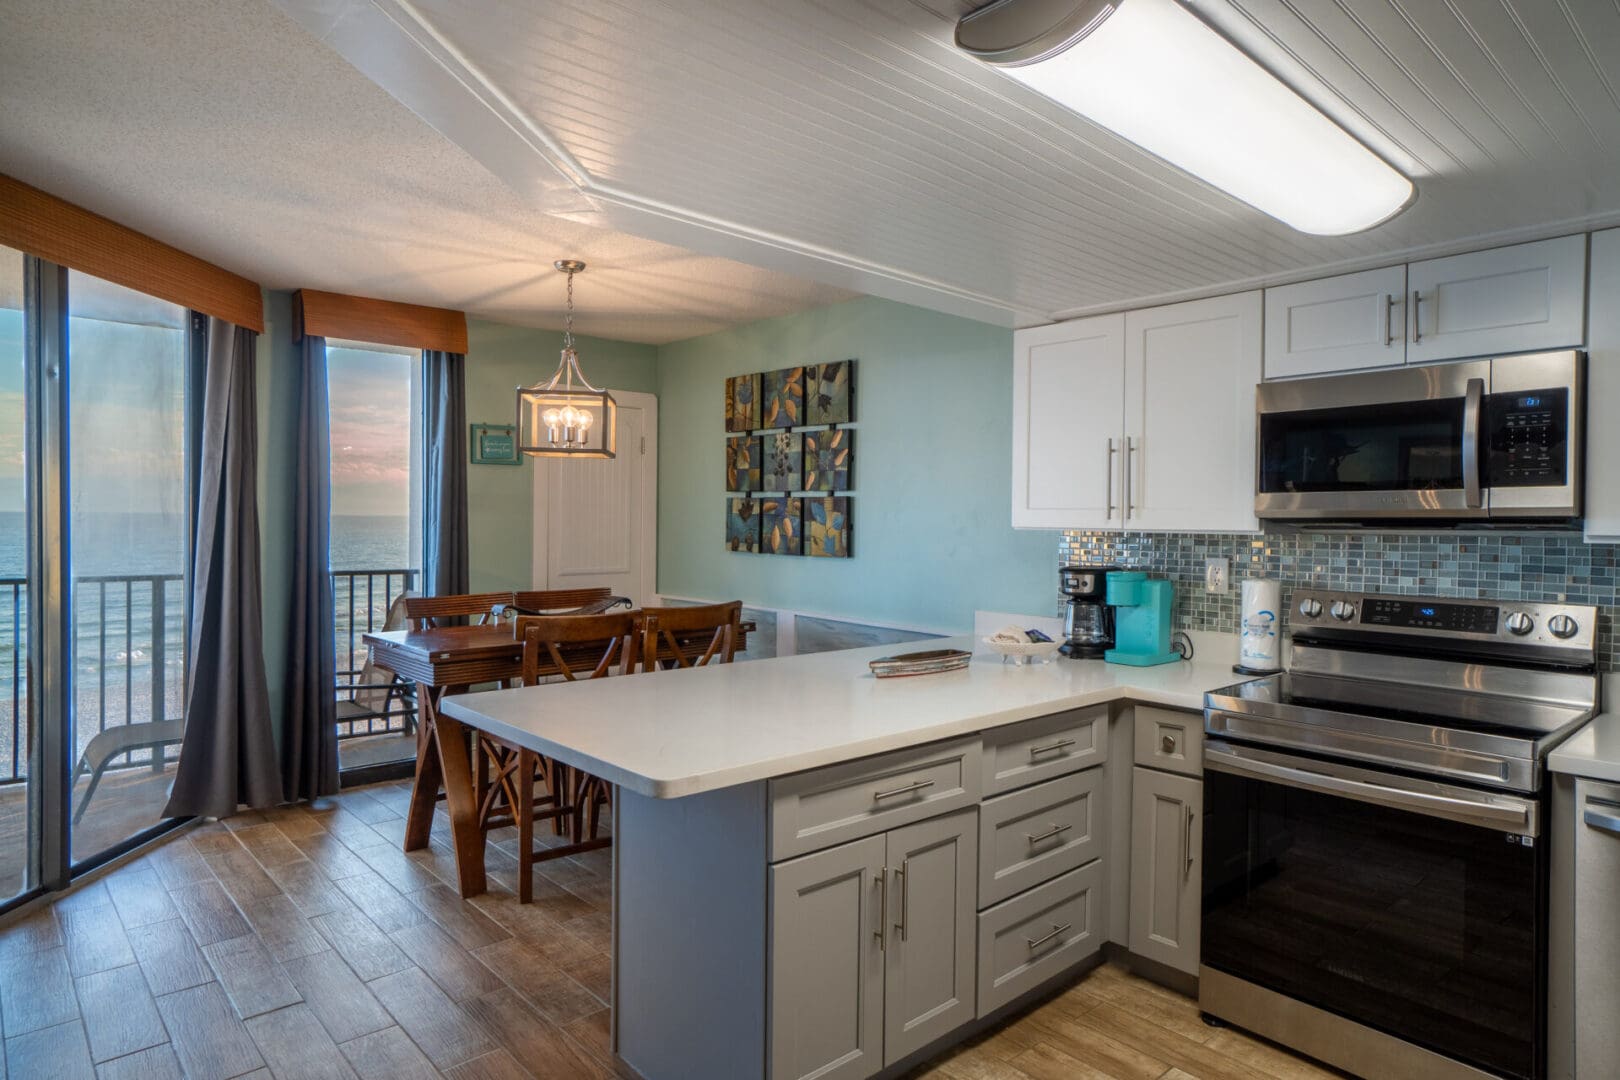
{"x":1562,"y":626}
{"x":1519,"y":624}
{"x":1310,"y":607}
{"x":1343,"y":610}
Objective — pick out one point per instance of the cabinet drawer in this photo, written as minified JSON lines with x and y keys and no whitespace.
{"x":1027,"y":940}
{"x":1030,"y":836}
{"x":1170,"y":740}
{"x":1021,"y":754}
{"x":816,"y":809}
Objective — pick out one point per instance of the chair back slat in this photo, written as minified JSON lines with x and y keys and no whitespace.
{"x":663,"y":628}
{"x":426,"y":612}
{"x":559,"y":601}
{"x":557,"y":637}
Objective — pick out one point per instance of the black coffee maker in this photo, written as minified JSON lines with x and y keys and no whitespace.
{"x":1088,"y":621}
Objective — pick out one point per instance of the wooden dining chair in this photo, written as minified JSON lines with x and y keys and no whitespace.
{"x":674,"y":636}
{"x":427,"y":612}
{"x":574,"y":647}
{"x":562,"y":601}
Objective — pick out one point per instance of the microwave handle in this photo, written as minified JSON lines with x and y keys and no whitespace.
{"x":1470,"y":445}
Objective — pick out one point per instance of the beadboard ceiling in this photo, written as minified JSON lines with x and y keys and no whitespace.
{"x":848,"y":142}
{"x":227,"y":130}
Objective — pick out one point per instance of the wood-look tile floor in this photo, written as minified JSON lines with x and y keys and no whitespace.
{"x":304,"y":943}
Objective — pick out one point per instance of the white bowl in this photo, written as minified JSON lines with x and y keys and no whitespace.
{"x":1024,"y":652}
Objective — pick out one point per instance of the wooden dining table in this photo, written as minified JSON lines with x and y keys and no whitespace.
{"x":450,"y":660}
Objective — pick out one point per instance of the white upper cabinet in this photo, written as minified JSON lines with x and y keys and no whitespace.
{"x":1068,"y":389}
{"x":1190,"y":373}
{"x":1603,"y":391}
{"x":1506,"y":300}
{"x":1344,"y":323}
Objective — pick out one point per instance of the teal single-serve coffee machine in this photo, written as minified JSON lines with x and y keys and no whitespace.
{"x":1141,"y":619}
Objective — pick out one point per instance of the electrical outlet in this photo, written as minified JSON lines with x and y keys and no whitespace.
{"x":1216,"y":572}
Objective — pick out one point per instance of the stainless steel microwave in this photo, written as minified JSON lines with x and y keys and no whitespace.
{"x":1489,"y":441}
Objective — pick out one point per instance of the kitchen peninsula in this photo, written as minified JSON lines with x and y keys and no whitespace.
{"x":822,"y":873}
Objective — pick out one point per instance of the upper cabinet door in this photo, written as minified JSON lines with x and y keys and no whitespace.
{"x":1343,"y":323}
{"x":1190,"y":374}
{"x":1506,"y":300}
{"x":1603,"y":391}
{"x":1068,"y":383}
{"x":929,"y":971}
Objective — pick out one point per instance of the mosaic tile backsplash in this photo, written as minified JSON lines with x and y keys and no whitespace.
{"x":1547,"y":567}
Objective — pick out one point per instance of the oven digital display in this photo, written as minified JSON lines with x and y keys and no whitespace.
{"x":1463,"y":618}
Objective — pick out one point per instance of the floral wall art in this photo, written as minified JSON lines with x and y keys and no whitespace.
{"x":788,"y":446}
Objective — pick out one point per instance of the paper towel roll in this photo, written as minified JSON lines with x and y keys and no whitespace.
{"x":1261,"y":629}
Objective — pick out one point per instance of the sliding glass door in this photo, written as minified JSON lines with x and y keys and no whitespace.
{"x":95,"y":533}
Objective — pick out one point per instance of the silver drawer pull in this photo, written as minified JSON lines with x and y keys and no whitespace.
{"x":1050,"y":747}
{"x":1167,"y":743}
{"x":1035,"y":838}
{"x":1057,"y":930}
{"x":907,"y":790}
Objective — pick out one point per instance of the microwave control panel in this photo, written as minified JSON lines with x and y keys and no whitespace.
{"x":1527,"y":439}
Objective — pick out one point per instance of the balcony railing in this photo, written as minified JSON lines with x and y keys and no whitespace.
{"x":130,"y":660}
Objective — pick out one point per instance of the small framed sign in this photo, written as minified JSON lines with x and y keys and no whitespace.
{"x":495,"y":444}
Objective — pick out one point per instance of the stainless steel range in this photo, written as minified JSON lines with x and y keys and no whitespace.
{"x":1375,"y":877}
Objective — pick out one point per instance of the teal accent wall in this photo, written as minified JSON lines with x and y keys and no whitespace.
{"x":500,"y":498}
{"x":933,"y":468}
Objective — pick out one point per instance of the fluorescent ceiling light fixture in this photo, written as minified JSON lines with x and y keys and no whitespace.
{"x":1153,"y":73}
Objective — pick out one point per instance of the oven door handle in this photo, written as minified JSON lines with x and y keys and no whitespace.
{"x":1499,"y":812}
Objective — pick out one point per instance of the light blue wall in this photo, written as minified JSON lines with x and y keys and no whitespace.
{"x":933,"y":461}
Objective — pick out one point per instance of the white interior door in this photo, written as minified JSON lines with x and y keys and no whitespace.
{"x":595,"y":520}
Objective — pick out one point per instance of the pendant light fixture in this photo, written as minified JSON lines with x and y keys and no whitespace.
{"x":1152,"y":72}
{"x":567,"y":416}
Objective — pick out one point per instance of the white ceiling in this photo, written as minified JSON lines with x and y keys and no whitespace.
{"x":222,"y":127}
{"x":848,"y":141}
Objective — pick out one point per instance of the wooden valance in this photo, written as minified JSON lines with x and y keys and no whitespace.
{"x":381,"y":322}
{"x":49,"y":228}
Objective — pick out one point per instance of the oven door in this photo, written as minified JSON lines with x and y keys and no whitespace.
{"x":1388,"y":444}
{"x":1407,"y":906}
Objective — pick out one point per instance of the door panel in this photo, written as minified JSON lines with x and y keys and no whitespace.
{"x":1067,"y":388}
{"x":1485,"y":303}
{"x":826,"y":963}
{"x":594,"y":519}
{"x":1342,"y":323}
{"x":930,"y":963}
{"x":1166,"y":832}
{"x":1190,"y":374}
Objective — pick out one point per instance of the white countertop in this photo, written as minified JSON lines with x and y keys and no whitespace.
{"x":1594,"y":750}
{"x":673,"y":733}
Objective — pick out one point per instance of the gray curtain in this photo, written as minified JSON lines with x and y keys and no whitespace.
{"x":309,"y":752}
{"x":227,"y":757}
{"x":444,"y":488}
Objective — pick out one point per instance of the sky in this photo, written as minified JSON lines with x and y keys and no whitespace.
{"x":370,"y":399}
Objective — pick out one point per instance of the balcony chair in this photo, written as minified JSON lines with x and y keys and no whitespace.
{"x":378,"y":693}
{"x":153,"y":735}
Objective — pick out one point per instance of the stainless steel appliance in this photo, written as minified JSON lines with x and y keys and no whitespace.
{"x":1485,"y":441}
{"x":1375,"y":866}
{"x":1088,"y":620}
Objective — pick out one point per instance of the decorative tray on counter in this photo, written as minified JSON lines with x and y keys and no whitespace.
{"x":929,"y":662}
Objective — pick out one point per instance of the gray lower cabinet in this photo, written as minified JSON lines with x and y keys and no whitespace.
{"x":872,"y":948}
{"x":826,"y":962}
{"x":1038,"y":934}
{"x":1166,"y":845}
{"x":1597,"y":928}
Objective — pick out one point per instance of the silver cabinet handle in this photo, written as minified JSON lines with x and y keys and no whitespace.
{"x":1417,"y":316}
{"x":1186,"y":842}
{"x":881,"y":927}
{"x":1602,"y":815}
{"x":1035,"y":838}
{"x":1130,"y":481}
{"x":907,"y":790}
{"x":1167,"y":743}
{"x":1474,"y":396}
{"x":1389,"y":310}
{"x":1050,"y":747}
{"x":1036,"y":943}
{"x":1108,"y":473}
{"x":905,"y":894}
